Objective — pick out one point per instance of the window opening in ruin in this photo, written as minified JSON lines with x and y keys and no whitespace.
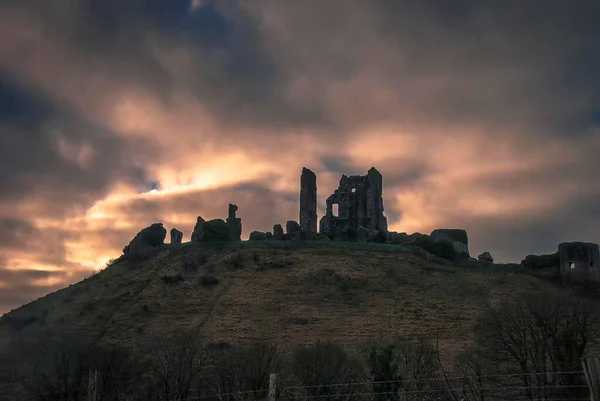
{"x":571,"y":265}
{"x":335,"y":209}
{"x":591,"y":264}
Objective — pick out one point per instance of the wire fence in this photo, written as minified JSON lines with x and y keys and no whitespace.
{"x":492,"y":387}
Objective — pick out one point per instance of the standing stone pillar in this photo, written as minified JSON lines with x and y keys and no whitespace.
{"x":308,"y":201}
{"x":176,"y":236}
{"x":234,"y":223}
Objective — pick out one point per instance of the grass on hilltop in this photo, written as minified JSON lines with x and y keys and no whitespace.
{"x":287,"y":293}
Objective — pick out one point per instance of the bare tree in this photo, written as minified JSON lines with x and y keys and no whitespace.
{"x":326,"y":371}
{"x":242,"y":374}
{"x":419,"y":365}
{"x":476,"y":375}
{"x":52,"y":368}
{"x":175,"y":362}
{"x":539,"y":340}
{"x":383,"y":370}
{"x":8,"y":374}
{"x":117,"y":371}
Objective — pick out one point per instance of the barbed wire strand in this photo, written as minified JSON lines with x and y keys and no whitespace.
{"x":430,"y":391}
{"x":433,"y":379}
{"x":283,"y":389}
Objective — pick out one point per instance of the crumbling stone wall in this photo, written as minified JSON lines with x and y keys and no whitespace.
{"x":359,"y":202}
{"x":579,"y":262}
{"x":308,"y":201}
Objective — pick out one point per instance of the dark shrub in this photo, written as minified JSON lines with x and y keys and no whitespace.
{"x":17,"y":323}
{"x":316,"y":367}
{"x":88,"y":307}
{"x":219,"y":345}
{"x":189,"y":265}
{"x":380,"y":237}
{"x":209,"y":280}
{"x":193,"y":262}
{"x":279,"y":264}
{"x":172,"y":279}
{"x":237,"y":260}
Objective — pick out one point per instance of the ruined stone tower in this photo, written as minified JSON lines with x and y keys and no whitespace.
{"x":308,"y":201}
{"x":234,"y":223}
{"x":579,"y":262}
{"x":359,"y":200}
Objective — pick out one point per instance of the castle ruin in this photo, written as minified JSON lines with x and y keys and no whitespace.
{"x":359,"y":203}
{"x":579,"y":262}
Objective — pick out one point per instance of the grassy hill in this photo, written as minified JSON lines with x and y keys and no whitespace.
{"x":284,"y":292}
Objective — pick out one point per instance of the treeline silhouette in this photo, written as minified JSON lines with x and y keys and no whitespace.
{"x":528,"y":348}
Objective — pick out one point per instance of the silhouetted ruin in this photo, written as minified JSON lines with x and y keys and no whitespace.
{"x":176,"y":236}
{"x":485,"y":258}
{"x":234,"y":223}
{"x":198,"y":231}
{"x":293,"y":229}
{"x":308,"y":202}
{"x":354,"y":213}
{"x":278,"y":231}
{"x":146,"y":243}
{"x":456,"y":237}
{"x":579,"y":262}
{"x":359,"y":202}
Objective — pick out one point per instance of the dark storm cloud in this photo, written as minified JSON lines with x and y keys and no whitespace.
{"x":45,"y":151}
{"x":13,"y":231}
{"x":338,"y":164}
{"x":411,"y":173}
{"x":21,"y":236}
{"x":512,"y":64}
{"x":20,"y":294}
{"x":18,"y":287}
{"x":19,"y":106}
{"x":225,"y":64}
{"x":16,"y":276}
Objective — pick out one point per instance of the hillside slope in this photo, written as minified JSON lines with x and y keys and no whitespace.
{"x":284,"y":292}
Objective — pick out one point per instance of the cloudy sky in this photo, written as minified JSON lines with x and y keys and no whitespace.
{"x":482,"y":115}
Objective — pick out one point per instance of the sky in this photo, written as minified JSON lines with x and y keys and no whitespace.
{"x":480,"y":114}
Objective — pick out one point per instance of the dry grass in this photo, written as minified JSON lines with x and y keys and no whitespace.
{"x":269,"y":291}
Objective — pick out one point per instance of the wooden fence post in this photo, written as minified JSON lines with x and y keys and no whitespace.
{"x":93,"y":385}
{"x":272,"y":387}
{"x":591,"y":368}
